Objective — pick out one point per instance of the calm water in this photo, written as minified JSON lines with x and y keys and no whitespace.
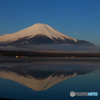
{"x":49,"y":80}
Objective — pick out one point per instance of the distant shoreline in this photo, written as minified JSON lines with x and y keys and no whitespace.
{"x":46,"y":59}
{"x":25,"y":54}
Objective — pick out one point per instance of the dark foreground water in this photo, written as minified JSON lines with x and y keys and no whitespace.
{"x":49,"y":80}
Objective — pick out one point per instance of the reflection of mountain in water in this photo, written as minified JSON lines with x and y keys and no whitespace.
{"x":37,"y":79}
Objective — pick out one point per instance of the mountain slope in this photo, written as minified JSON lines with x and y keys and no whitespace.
{"x":38,"y":34}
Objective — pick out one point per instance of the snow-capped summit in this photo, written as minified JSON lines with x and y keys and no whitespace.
{"x":38,"y":34}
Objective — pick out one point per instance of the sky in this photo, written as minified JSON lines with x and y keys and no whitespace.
{"x":79,"y":19}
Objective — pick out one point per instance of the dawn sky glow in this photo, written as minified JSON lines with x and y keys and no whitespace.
{"x":79,"y":19}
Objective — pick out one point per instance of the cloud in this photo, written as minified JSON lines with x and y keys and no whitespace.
{"x":63,"y":48}
{"x":55,"y":48}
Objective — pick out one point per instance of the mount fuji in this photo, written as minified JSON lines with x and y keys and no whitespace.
{"x":39,"y":34}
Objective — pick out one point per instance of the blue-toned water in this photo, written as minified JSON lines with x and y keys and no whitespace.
{"x":49,"y":80}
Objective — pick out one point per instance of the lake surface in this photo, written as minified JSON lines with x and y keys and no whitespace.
{"x":49,"y":80}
